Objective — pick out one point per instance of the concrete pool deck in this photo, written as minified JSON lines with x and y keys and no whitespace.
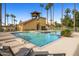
{"x":68,"y":45}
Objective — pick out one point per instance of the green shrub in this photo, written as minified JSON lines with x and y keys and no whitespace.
{"x":66,"y":33}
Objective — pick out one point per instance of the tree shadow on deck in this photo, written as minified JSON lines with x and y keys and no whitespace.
{"x":4,"y":39}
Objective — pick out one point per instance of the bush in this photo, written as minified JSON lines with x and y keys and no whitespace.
{"x":66,"y":33}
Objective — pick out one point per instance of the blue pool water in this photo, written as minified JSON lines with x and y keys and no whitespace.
{"x":38,"y":38}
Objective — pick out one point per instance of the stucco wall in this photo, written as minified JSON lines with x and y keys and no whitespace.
{"x":32,"y":25}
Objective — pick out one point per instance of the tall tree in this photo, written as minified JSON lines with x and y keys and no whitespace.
{"x":13,"y":21}
{"x":20,"y":21}
{"x":0,"y":17}
{"x":47,"y":8}
{"x":7,"y":15}
{"x":15,"y":24}
{"x":50,"y":6}
{"x":13,"y":17}
{"x":42,"y":6}
{"x":67,"y":11}
{"x":67,"y":21}
{"x":74,"y":17}
{"x":62,"y":6}
{"x":53,"y":14}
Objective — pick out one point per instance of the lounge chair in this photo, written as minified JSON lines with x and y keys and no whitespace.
{"x":58,"y":54}
{"x":47,"y":54}
{"x":7,"y":51}
{"x":37,"y":53}
{"x":44,"y":53}
{"x":23,"y":52}
{"x":30,"y":52}
{"x":40,"y":53}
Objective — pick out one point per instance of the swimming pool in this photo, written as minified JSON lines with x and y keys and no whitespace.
{"x":39,"y":38}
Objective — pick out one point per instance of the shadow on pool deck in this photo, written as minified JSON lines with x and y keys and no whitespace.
{"x":77,"y":51}
{"x":4,"y":39}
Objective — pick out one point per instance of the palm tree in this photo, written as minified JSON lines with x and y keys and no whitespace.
{"x":15,"y":24}
{"x":62,"y":11}
{"x":67,"y":11}
{"x":41,"y":5}
{"x":7,"y":15}
{"x":13,"y":20}
{"x":50,"y":6}
{"x":53,"y":14}
{"x":0,"y":16}
{"x":62,"y":16}
{"x":13,"y":17}
{"x":74,"y":17}
{"x":47,"y":8}
{"x":20,"y":21}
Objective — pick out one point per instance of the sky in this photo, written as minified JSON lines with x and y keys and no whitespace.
{"x":22,"y":11}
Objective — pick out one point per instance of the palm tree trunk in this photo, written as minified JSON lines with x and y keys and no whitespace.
{"x":12,"y":21}
{"x":53,"y":12}
{"x":41,"y":11}
{"x":5,"y":14}
{"x":47,"y":17}
{"x":41,"y":5}
{"x":0,"y":17}
{"x":5,"y":18}
{"x":51,"y":15}
{"x":62,"y":11}
{"x":62,"y":16}
{"x":74,"y":17}
{"x":7,"y":21}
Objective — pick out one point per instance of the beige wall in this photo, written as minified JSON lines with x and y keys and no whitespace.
{"x":32,"y":25}
{"x":20,"y":27}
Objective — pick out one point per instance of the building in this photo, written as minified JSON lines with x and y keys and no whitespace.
{"x":35,"y":23}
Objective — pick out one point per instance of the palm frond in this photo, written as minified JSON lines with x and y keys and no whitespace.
{"x":41,"y":5}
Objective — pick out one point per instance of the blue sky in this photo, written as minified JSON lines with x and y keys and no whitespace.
{"x":23,"y":10}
